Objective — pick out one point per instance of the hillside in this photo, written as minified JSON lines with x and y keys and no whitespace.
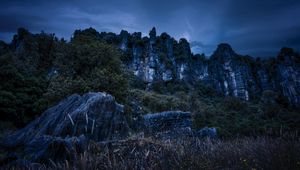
{"x":150,"y":86}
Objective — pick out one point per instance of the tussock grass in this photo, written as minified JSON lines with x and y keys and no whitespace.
{"x":187,"y":153}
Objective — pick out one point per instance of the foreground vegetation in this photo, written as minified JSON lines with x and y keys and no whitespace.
{"x":192,"y":153}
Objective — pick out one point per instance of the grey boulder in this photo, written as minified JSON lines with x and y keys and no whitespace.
{"x":67,"y":127}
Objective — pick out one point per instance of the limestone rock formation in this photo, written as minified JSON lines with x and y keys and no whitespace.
{"x":174,"y":124}
{"x":231,"y":74}
{"x":167,"y":121}
{"x":161,"y":58}
{"x":206,"y":132}
{"x":68,"y":125}
{"x":96,"y":115}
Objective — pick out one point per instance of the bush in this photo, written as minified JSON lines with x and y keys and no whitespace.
{"x":233,"y":103}
{"x":234,"y":117}
{"x":269,"y":104}
{"x":176,"y":86}
{"x":84,"y":64}
{"x":92,"y":66}
{"x":19,"y":93}
{"x":204,"y":90}
{"x":152,"y":102}
{"x":159,"y":86}
{"x":136,"y":82}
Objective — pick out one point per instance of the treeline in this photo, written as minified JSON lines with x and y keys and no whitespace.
{"x":38,"y":70}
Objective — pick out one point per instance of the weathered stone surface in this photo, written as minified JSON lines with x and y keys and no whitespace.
{"x":67,"y":126}
{"x":165,"y":59}
{"x":96,"y":115}
{"x":124,"y":36}
{"x":206,"y":132}
{"x":166,"y":121}
{"x":44,"y":148}
{"x":287,"y":75}
{"x":231,"y":74}
{"x":174,"y":124}
{"x":161,"y":58}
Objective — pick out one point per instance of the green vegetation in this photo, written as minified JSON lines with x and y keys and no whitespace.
{"x":153,"y":102}
{"x":233,"y":117}
{"x":89,"y":66}
{"x":38,"y":70}
{"x":28,"y":86}
{"x":185,"y":153}
{"x":20,"y":94}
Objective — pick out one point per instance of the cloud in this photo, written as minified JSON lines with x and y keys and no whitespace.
{"x":255,"y":27}
{"x":198,"y":47}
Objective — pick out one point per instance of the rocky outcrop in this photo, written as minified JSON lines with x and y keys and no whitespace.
{"x":56,"y":149}
{"x":157,"y":57}
{"x":167,"y":121}
{"x":231,"y":74}
{"x":287,"y":75}
{"x":174,"y":124}
{"x":95,"y":115}
{"x":68,"y":125}
{"x":206,"y":132}
{"x":161,"y":58}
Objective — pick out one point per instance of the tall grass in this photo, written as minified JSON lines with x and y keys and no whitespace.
{"x":187,"y":153}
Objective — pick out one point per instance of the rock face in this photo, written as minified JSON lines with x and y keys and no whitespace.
{"x":206,"y":132}
{"x":160,"y":58}
{"x":168,"y":125}
{"x":43,"y":148}
{"x":69,"y":124}
{"x":231,"y":74}
{"x":167,"y":121}
{"x":174,"y":124}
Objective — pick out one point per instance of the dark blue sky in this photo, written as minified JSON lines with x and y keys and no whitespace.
{"x":254,"y":27}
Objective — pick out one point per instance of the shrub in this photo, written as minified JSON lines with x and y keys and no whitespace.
{"x":152,"y":102}
{"x":19,"y":93}
{"x":92,"y":66}
{"x":84,"y":64}
{"x":233,"y":103}
{"x":269,"y":103}
{"x":175,"y":86}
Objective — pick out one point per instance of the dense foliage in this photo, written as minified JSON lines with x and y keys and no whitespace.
{"x":38,"y":70}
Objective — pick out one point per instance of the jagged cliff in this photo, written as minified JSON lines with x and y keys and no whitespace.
{"x":162,"y":58}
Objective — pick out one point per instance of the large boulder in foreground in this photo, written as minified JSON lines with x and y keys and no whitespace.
{"x":97,"y":116}
{"x":62,"y":132}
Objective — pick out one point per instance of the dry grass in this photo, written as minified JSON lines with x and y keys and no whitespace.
{"x":192,"y":153}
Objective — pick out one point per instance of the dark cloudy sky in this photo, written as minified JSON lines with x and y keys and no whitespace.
{"x":255,"y":27}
